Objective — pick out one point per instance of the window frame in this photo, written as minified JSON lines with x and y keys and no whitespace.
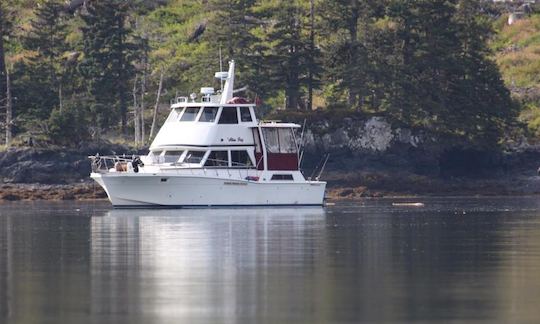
{"x":218,"y":166}
{"x":282,"y":177}
{"x":244,"y":165}
{"x":163,"y":156}
{"x":250,"y":114}
{"x":215,"y":116}
{"x":175,"y":115}
{"x":221,"y":114}
{"x":186,"y":153}
{"x":278,"y":140}
{"x":194,"y":118}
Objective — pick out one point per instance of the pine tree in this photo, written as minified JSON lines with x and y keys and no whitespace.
{"x":426,"y":43}
{"x":289,"y":50}
{"x":444,"y":80}
{"x":347,"y":29}
{"x":46,"y":42}
{"x":231,"y":30}
{"x":107,"y":66}
{"x":47,"y":37}
{"x":491,"y":111}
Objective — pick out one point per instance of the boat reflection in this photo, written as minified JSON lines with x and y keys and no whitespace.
{"x":205,"y":263}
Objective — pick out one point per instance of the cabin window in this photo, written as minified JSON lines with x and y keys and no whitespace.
{"x":194,"y":157}
{"x":271,"y":139}
{"x":245,"y":114}
{"x":217,"y":159}
{"x":190,"y":114}
{"x":209,"y":114}
{"x":154,"y":156}
{"x":287,"y":177}
{"x":228,"y":116}
{"x":172,"y":156}
{"x":279,"y":140}
{"x":173,"y":116}
{"x":287,"y":144}
{"x":240,"y":159}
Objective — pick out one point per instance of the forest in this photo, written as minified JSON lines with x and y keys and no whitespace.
{"x":78,"y":71}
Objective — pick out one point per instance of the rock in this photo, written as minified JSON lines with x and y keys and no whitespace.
{"x":52,"y":166}
{"x":10,"y":196}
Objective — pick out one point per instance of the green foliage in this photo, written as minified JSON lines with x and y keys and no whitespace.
{"x":40,"y":76}
{"x":106,"y":65}
{"x":423,"y":64}
{"x":68,"y":126}
{"x":517,"y":49}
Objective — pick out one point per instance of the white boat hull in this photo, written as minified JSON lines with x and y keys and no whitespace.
{"x":147,"y":190}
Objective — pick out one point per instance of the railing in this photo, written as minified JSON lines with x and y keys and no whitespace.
{"x":103,"y":164}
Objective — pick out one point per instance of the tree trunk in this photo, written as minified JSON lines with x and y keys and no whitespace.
{"x":60,"y":99}
{"x":121,"y":80}
{"x":3,"y":74}
{"x":353,"y":34}
{"x":9,"y":111}
{"x":154,"y":118}
{"x":136,"y":113}
{"x":141,"y":104}
{"x":311,"y":54}
{"x":292,"y":94}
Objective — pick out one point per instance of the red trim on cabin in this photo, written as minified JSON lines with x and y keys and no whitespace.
{"x":282,"y":161}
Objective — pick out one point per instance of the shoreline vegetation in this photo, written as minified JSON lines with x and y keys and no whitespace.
{"x":106,"y":69}
{"x":436,"y":98}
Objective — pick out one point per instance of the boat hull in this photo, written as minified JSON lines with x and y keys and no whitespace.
{"x":168,"y":191}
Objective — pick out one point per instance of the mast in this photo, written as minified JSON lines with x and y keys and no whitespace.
{"x":229,"y":85}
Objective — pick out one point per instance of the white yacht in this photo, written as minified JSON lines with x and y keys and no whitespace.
{"x":212,"y":152}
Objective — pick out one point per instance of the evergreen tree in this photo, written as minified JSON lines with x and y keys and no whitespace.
{"x":231,"y":29}
{"x":47,"y":37}
{"x":46,"y":43}
{"x":106,"y":65}
{"x":445,"y":81}
{"x":289,"y":50}
{"x":347,"y":28}
{"x":426,"y":43}
{"x":482,"y":98}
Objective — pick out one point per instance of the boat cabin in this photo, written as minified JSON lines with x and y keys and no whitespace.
{"x":275,"y":146}
{"x":222,"y":131}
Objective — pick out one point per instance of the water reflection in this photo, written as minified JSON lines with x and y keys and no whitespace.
{"x":451,"y":261}
{"x":199,"y":264}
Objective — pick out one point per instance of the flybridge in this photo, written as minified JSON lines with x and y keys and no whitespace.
{"x":209,"y":96}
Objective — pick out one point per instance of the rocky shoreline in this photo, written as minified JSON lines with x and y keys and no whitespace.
{"x":361,"y":165}
{"x":36,"y":191}
{"x":341,"y":186}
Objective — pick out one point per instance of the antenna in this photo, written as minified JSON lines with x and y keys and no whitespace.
{"x":322,"y":169}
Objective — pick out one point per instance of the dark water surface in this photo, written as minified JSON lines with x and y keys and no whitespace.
{"x":454,"y":260}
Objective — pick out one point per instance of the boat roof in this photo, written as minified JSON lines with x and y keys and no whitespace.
{"x":278,"y":125}
{"x":207,"y":104}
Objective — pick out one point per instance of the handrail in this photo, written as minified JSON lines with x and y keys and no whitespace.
{"x":99,"y":163}
{"x":103,"y":163}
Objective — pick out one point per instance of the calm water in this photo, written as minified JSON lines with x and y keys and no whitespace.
{"x":455,"y":260}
